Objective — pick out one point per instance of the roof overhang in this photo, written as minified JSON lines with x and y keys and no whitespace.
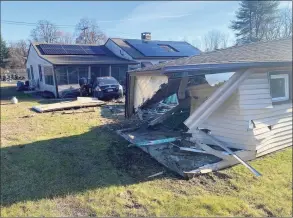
{"x":224,"y":67}
{"x":198,"y":69}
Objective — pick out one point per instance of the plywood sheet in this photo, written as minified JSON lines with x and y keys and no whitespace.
{"x":79,"y":103}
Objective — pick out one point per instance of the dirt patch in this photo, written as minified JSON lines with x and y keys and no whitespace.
{"x":131,"y":201}
{"x":133,"y":161}
{"x":266,"y":210}
{"x":72,"y":207}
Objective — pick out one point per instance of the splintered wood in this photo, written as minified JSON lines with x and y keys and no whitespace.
{"x":81,"y":102}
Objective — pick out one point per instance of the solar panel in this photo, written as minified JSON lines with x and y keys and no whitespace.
{"x":51,"y":49}
{"x":90,"y":49}
{"x":163,"y":48}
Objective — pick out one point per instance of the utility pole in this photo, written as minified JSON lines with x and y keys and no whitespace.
{"x":83,"y":29}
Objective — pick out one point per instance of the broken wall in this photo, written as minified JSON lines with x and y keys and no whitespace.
{"x":249,"y":120}
{"x":146,"y":86}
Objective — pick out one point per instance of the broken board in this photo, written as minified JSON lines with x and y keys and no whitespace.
{"x":81,"y":102}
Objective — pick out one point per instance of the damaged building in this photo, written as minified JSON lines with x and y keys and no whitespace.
{"x":214,"y":110}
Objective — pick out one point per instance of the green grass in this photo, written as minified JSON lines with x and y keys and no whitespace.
{"x":71,"y":165}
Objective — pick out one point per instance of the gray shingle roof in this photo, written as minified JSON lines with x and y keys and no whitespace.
{"x":271,"y":51}
{"x":107,"y":58}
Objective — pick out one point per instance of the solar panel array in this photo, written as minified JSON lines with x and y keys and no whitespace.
{"x":49,"y":49}
{"x":158,"y":48}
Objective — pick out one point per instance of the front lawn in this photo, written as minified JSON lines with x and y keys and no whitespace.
{"x":55,"y":164}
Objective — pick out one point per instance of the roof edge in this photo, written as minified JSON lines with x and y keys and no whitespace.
{"x":222,"y":66}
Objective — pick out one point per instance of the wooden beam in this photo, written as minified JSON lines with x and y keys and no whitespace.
{"x":182,"y":87}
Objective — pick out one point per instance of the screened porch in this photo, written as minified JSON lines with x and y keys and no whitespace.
{"x":67,"y":76}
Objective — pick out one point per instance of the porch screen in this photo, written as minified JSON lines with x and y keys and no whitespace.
{"x":72,"y":75}
{"x":83,"y":72}
{"x":61,"y":74}
{"x":95,"y":72}
{"x":119,"y":73}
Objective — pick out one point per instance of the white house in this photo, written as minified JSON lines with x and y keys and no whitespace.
{"x":251,"y":113}
{"x":56,"y":68}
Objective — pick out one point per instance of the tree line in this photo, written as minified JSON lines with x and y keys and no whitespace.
{"x":87,"y":31}
{"x":254,"y":21}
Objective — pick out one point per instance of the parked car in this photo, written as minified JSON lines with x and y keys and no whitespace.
{"x":107,"y":88}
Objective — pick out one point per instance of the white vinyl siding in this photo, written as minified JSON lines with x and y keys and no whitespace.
{"x":252,"y":101}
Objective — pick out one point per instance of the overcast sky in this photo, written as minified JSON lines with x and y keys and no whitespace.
{"x":188,"y":21}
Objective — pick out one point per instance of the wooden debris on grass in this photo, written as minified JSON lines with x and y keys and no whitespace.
{"x":156,"y":174}
{"x":81,"y":102}
{"x":78,"y":111}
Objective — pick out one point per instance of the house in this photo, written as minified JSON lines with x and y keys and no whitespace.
{"x":147,"y":52}
{"x":57,"y":68}
{"x":247,"y":116}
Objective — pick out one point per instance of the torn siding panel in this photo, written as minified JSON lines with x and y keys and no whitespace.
{"x":146,"y":86}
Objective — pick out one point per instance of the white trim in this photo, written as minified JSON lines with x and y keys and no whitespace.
{"x":286,"y":78}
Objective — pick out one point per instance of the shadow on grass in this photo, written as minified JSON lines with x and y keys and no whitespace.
{"x":62,"y":166}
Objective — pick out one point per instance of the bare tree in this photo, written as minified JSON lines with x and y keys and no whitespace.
{"x":286,"y":22}
{"x":281,"y":27}
{"x":18,"y":52}
{"x":89,"y":32}
{"x":45,"y":31}
{"x":215,"y":40}
{"x":65,"y":37}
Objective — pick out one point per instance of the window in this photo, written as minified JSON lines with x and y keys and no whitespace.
{"x":48,"y":74}
{"x":28,"y":73}
{"x":167,"y":48}
{"x":40,"y":73}
{"x":32,"y":72}
{"x":279,"y":84}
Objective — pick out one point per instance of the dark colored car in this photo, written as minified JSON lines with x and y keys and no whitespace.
{"x":107,"y":88}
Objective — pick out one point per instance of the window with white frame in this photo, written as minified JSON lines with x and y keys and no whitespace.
{"x":279,"y":84}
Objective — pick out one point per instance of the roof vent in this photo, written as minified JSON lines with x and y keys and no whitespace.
{"x":146,"y":36}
